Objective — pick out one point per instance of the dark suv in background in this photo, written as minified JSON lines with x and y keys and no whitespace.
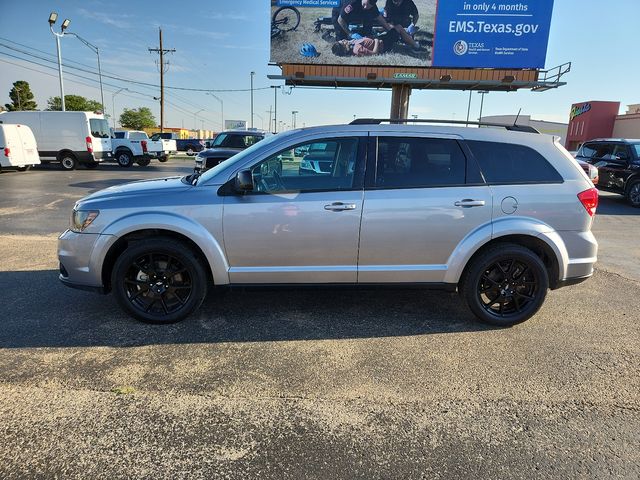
{"x":226,"y":145}
{"x":618,"y":163}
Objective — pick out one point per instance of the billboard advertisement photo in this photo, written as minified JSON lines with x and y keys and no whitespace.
{"x":411,"y":33}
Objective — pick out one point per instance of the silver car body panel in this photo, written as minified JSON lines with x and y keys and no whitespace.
{"x":391,"y":235}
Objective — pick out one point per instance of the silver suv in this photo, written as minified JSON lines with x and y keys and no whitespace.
{"x":500,"y":216}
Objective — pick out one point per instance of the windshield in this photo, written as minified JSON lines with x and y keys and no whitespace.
{"x":637,"y":148}
{"x":218,"y":140}
{"x":238,"y":158}
{"x":99,"y":128}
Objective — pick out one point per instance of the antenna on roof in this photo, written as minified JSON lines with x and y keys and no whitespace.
{"x":515,"y":122}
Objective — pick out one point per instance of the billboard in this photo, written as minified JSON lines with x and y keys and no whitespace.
{"x":509,"y":34}
{"x":235,"y":124}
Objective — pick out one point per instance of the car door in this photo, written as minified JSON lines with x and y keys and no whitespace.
{"x":422,"y":198}
{"x":297,"y":225}
{"x":601,"y":155}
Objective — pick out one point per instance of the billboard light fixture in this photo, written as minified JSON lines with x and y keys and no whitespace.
{"x":52,"y":18}
{"x":508,"y":79}
{"x":372,"y":76}
{"x":299,"y":74}
{"x":445,"y":78}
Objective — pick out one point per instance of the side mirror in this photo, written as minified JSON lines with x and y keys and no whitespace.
{"x":244,"y":181}
{"x":622,"y":156}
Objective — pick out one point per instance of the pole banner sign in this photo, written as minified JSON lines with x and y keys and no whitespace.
{"x":510,"y":34}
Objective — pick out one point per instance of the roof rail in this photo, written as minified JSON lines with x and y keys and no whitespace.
{"x":378,"y":121}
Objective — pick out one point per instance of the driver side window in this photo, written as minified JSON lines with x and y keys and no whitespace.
{"x":325,"y":164}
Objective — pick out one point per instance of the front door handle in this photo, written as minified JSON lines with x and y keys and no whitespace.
{"x":340,"y":207}
{"x":468,"y":202}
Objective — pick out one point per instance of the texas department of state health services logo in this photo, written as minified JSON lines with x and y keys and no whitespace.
{"x":460,"y":47}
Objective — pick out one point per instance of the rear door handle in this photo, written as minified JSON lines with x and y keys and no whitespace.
{"x":468,"y":202}
{"x":340,"y":207}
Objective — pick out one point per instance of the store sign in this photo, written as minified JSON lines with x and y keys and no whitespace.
{"x":235,"y":124}
{"x":578,"y":110}
{"x":405,"y":75}
{"x":464,"y":34}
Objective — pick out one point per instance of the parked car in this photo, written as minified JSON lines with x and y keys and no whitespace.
{"x":318,"y":158}
{"x":190,"y":146}
{"x":168,"y":146}
{"x":226,"y":145}
{"x":131,"y":146}
{"x":70,"y":138}
{"x":500,"y":216}
{"x":18,"y":148}
{"x":618,"y":164}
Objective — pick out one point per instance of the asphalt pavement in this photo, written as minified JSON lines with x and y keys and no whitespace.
{"x":308,"y":383}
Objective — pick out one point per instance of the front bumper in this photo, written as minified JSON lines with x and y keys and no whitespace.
{"x":81,"y":256}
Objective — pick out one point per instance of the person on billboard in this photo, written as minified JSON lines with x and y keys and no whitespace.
{"x":362,"y":47}
{"x":401,"y":12}
{"x":365,"y":12}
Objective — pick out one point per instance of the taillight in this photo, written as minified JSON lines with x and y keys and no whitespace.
{"x":89,"y":144}
{"x":589,"y":200}
{"x":7,"y":151}
{"x":144,"y":146}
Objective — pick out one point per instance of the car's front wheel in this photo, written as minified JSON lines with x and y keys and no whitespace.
{"x":505,"y":285}
{"x":159,"y":281}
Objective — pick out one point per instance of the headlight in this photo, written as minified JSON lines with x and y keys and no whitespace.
{"x":81,"y":219}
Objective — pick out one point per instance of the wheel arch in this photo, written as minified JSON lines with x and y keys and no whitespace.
{"x":538,"y":237}
{"x":65,"y":151}
{"x":137,"y":229}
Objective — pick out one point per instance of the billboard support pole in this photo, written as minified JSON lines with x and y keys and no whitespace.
{"x":400,"y":101}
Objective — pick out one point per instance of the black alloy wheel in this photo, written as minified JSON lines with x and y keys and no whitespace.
{"x":159,"y":281}
{"x":505,"y":285}
{"x":633,"y":193}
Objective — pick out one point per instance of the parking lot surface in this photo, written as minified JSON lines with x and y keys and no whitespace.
{"x":308,"y":383}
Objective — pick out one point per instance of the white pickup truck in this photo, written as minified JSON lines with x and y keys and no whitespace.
{"x":168,"y":147}
{"x":131,"y":146}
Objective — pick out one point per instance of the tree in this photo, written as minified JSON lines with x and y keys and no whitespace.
{"x":137,"y":118}
{"x":74,"y":103}
{"x":21,"y":97}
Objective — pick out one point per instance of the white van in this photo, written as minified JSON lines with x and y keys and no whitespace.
{"x":18,"y":148}
{"x":71,"y":138}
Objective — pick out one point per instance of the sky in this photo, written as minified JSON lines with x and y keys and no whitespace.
{"x":218,"y":43}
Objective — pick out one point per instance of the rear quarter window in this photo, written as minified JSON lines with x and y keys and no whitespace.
{"x":507,"y":163}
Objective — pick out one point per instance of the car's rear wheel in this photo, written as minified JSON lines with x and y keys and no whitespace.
{"x":68,"y":161}
{"x":24,"y":169}
{"x":633,"y":193}
{"x":91,"y":165}
{"x":164,"y":158}
{"x":191,"y":151}
{"x":505,"y":285}
{"x":159,"y":281}
{"x":143,"y":162}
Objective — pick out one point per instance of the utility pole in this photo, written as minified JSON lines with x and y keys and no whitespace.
{"x":270,"y":111}
{"x":252,"y":74}
{"x":162,"y":69}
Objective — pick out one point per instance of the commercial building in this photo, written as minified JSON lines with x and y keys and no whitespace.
{"x":596,"y":119}
{"x":551,"y":128}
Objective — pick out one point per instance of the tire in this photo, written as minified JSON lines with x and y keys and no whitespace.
{"x":633,"y":193}
{"x":144,"y":290}
{"x":163,"y":159}
{"x":26,"y":168}
{"x":505,"y":285}
{"x":68,"y":161}
{"x":143,"y":162}
{"x":124,"y":158}
{"x":191,"y":151}
{"x":286,"y":19}
{"x":91,"y":165}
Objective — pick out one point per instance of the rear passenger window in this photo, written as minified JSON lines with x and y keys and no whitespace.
{"x":505,"y":163}
{"x":419,"y":162}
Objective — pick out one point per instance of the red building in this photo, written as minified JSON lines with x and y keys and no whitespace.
{"x":589,"y":120}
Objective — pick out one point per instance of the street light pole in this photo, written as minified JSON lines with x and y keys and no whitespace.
{"x":252,"y":74}
{"x":275,"y":106}
{"x":113,"y":105}
{"x":221,"y":110}
{"x":97,"y":52}
{"x":195,"y":126}
{"x":483,"y":93}
{"x":52,"y":20}
{"x":469,"y":107}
